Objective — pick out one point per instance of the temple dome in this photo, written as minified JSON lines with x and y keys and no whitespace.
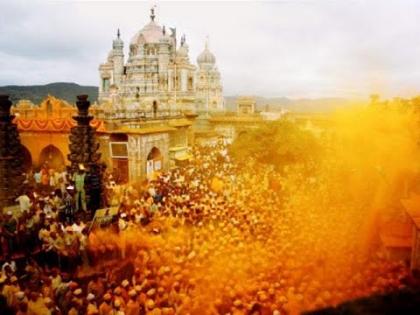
{"x":206,"y":57}
{"x":150,"y":34}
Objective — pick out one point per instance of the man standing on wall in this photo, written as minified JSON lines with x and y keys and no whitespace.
{"x":79,"y":185}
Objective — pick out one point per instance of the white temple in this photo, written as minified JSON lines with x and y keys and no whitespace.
{"x":158,"y":76}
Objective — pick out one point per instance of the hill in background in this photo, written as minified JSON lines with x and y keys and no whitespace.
{"x":36,"y":93}
{"x":69,"y":91}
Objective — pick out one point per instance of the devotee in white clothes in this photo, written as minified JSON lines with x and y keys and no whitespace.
{"x":24,"y":203}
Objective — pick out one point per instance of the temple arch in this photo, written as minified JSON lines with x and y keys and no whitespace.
{"x":154,"y":161}
{"x":242,"y":133}
{"x":52,"y":156}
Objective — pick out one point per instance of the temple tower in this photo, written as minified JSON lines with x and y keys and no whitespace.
{"x":83,"y":151}
{"x":209,"y":90}
{"x":11,"y":156}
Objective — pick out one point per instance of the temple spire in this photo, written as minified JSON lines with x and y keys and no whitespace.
{"x":207,"y":42}
{"x":152,"y":13}
{"x":118,"y":34}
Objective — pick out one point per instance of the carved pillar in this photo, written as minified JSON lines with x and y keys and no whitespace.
{"x":84,"y":150}
{"x":11,"y":155}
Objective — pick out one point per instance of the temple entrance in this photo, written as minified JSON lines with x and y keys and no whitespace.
{"x":52,"y":157}
{"x":154,"y":161}
{"x":27,"y":159}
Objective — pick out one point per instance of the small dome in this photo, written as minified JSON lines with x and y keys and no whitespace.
{"x":206,"y":57}
{"x":183,"y":49}
{"x":118,"y":43}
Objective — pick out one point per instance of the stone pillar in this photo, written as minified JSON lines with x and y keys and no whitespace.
{"x":84,"y":150}
{"x":184,"y":80}
{"x":134,"y":157}
{"x":170,"y":81}
{"x":11,"y":155}
{"x":415,"y":249}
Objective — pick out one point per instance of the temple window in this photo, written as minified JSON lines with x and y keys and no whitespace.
{"x":155,"y":108}
{"x":105,"y":85}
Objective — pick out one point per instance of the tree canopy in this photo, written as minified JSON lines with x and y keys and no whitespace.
{"x":280,"y":143}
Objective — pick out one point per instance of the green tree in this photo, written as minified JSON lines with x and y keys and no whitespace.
{"x":280,"y":143}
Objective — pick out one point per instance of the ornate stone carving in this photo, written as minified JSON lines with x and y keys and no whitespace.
{"x":11,"y":156}
{"x":84,"y":150}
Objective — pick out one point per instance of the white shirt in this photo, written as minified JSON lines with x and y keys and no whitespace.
{"x":78,"y":228}
{"x":24,"y":203}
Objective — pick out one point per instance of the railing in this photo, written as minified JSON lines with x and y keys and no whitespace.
{"x":141,"y":114}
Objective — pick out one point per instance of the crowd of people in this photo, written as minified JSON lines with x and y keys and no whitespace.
{"x":212,"y":237}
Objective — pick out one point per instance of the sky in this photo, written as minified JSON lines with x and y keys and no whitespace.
{"x":290,"y":48}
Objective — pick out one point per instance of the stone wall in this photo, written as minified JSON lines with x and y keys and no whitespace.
{"x":139,"y":147}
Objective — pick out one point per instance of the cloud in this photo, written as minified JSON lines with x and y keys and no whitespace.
{"x":284,"y":48}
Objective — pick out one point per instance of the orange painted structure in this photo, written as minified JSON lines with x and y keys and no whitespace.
{"x":44,"y":130}
{"x":133,"y":149}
